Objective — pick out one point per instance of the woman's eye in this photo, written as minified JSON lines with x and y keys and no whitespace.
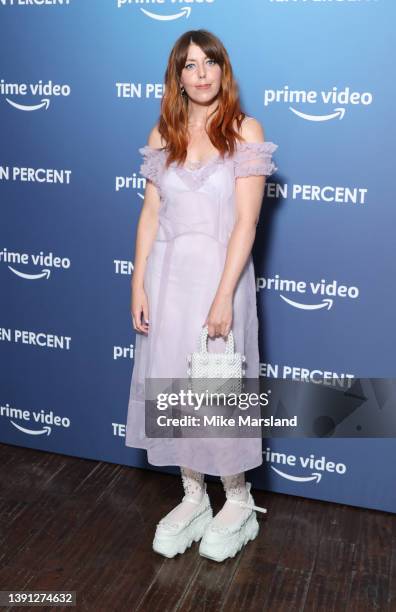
{"x":211,"y":61}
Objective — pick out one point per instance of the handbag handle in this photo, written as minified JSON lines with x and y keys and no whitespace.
{"x":204,"y":341}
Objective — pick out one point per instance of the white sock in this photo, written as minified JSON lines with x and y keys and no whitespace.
{"x":193,"y":485}
{"x":235,"y":488}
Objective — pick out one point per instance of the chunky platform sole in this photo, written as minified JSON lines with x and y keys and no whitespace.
{"x":218,"y":547}
{"x":169,"y":544}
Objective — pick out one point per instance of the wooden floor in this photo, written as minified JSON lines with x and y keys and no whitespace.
{"x":87,"y":526}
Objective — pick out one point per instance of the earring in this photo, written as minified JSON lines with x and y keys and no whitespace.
{"x":182,"y":90}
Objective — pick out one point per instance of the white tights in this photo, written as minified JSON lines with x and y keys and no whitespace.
{"x":235,"y":488}
{"x":193,"y":484}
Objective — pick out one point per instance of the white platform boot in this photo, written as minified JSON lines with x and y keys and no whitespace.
{"x":187,"y":522}
{"x":222,"y":541}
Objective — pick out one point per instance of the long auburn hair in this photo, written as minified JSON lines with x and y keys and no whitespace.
{"x":173,"y":121}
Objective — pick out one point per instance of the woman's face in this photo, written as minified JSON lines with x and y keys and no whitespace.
{"x":201,"y":76}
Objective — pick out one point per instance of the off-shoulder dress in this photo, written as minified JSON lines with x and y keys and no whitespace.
{"x":183,"y":270}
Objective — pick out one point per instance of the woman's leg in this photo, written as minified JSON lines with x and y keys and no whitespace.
{"x":235,"y":524}
{"x":235,"y":488}
{"x":193,"y":485}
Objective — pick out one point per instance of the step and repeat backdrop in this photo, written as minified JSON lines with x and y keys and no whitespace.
{"x":80,"y":88}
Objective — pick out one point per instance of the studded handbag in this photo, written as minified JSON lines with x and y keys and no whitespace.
{"x":203,"y":364}
{"x":205,"y":369}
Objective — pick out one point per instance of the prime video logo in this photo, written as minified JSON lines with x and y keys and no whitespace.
{"x":45,"y":261}
{"x":333,"y":97}
{"x":327,"y":291}
{"x":43,"y":422}
{"x":43,"y":90}
{"x":175,"y":8}
{"x":316,"y":466}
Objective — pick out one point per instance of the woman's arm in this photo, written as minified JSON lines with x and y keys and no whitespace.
{"x":146,"y":232}
{"x":249,"y":192}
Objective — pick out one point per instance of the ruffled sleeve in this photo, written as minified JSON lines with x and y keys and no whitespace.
{"x":254,"y":158}
{"x":153,"y":161}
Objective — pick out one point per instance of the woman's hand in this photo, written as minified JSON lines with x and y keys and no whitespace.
{"x":139,"y":306}
{"x":219,"y":319}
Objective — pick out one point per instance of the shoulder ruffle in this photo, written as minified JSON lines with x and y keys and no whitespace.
{"x":153,"y":163}
{"x":254,"y":158}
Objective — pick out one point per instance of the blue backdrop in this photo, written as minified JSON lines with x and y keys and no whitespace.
{"x":80,"y":89}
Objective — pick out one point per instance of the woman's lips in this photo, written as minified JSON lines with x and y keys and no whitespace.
{"x":203,"y":86}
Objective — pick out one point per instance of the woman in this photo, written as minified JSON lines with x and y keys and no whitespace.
{"x":206,"y":164}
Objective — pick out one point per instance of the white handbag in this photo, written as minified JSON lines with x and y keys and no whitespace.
{"x":203,"y":364}
{"x":206,"y":369}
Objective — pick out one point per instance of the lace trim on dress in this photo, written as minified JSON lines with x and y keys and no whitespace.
{"x":196,"y":177}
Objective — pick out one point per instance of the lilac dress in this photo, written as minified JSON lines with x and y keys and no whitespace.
{"x":183,"y":270}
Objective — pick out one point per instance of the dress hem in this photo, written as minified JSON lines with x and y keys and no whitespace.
{"x":200,"y":468}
